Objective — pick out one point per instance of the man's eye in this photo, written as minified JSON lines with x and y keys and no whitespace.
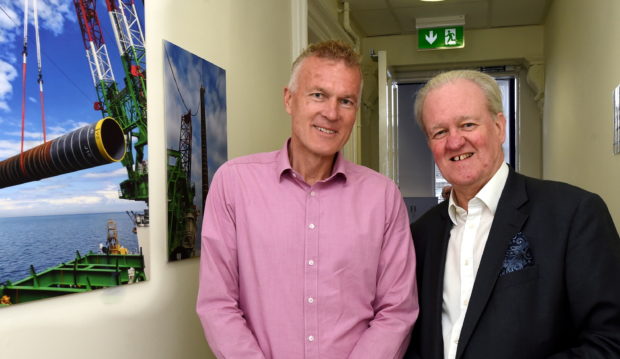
{"x":347,"y":102}
{"x":317,"y":95}
{"x":439,"y":134}
{"x":469,"y":125}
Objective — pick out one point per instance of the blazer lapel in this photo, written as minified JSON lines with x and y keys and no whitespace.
{"x":508,"y":220}
{"x":438,"y":263}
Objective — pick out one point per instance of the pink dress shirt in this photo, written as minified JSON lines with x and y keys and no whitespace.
{"x":289,"y":270}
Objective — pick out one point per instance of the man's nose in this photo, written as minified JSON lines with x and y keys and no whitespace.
{"x":330,"y":110}
{"x":455,"y":140}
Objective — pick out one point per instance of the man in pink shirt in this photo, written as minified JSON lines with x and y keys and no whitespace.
{"x":304,"y":254}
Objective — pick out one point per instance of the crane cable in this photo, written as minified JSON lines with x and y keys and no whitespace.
{"x":24,"y":56}
{"x":51,"y":61}
{"x":177,"y":84}
{"x":39,"y":68}
{"x":39,"y":79}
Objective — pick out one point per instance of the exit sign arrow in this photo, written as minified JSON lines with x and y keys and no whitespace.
{"x":431,"y":37}
{"x":441,"y":38}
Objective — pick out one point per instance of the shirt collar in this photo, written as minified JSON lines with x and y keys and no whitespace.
{"x":282,"y":161}
{"x":284,"y":164}
{"x":489,"y":194}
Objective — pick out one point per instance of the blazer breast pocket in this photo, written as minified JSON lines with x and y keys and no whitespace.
{"x":525,"y":275}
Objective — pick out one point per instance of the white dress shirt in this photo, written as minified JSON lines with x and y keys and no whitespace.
{"x":468,"y":237}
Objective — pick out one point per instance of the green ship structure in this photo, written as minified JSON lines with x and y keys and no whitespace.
{"x":113,"y":267}
{"x":83,"y":274}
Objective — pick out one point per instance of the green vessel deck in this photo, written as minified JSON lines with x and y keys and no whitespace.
{"x":83,"y":274}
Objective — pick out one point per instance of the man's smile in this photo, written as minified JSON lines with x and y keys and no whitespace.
{"x":324,"y":130}
{"x":462,"y":156}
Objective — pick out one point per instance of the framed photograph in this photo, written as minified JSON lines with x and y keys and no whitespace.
{"x":195,"y":118}
{"x":73,"y":155}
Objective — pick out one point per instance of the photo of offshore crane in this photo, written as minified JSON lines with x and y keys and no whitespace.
{"x":120,"y":136}
{"x":195,"y":117}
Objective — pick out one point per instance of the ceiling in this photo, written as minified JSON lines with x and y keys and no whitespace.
{"x":396,"y":17}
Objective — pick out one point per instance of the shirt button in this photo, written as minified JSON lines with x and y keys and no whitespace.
{"x":310,"y":300}
{"x":312,"y":193}
{"x":294,"y":175}
{"x":465,"y":302}
{"x":311,"y":226}
{"x":311,"y":338}
{"x":311,"y":262}
{"x":456,"y":341}
{"x":466,"y":262}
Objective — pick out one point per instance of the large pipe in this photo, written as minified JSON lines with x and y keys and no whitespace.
{"x":93,"y":145}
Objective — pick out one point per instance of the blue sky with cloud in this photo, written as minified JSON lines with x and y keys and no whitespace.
{"x":69,"y":98}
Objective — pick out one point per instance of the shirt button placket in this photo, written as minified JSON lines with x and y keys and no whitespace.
{"x":311,"y":316}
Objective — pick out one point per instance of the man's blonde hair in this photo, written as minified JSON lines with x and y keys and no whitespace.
{"x":331,"y":50}
{"x":487,"y":84}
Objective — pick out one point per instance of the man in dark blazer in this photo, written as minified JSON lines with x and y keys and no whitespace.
{"x":509,"y":266}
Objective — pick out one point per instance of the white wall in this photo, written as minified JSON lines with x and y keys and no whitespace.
{"x":251,"y":40}
{"x":582,"y":68}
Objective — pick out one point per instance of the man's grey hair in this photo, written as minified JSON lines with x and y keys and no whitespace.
{"x":331,"y":50}
{"x":487,"y":84}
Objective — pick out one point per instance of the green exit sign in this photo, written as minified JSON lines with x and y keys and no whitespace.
{"x":441,"y":38}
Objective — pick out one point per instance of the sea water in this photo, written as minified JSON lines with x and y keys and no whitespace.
{"x":47,"y":241}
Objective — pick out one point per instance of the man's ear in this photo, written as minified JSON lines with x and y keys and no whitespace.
{"x":287,"y":99}
{"x":500,"y":123}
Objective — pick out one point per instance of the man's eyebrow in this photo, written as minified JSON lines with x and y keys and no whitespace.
{"x":436,"y":127}
{"x":317,"y":89}
{"x":352,"y":96}
{"x":458,"y":119}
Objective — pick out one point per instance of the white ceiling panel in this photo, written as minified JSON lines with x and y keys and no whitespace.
{"x":390,"y":17}
{"x":475,"y":14}
{"x":377,"y":22}
{"x":368,"y":4}
{"x":413,"y":3}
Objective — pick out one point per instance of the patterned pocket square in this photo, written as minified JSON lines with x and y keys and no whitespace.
{"x":518,"y":255}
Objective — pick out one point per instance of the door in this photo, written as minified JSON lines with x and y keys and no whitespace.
{"x":388,"y":119}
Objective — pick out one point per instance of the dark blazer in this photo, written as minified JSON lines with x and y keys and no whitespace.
{"x":564,"y":304}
